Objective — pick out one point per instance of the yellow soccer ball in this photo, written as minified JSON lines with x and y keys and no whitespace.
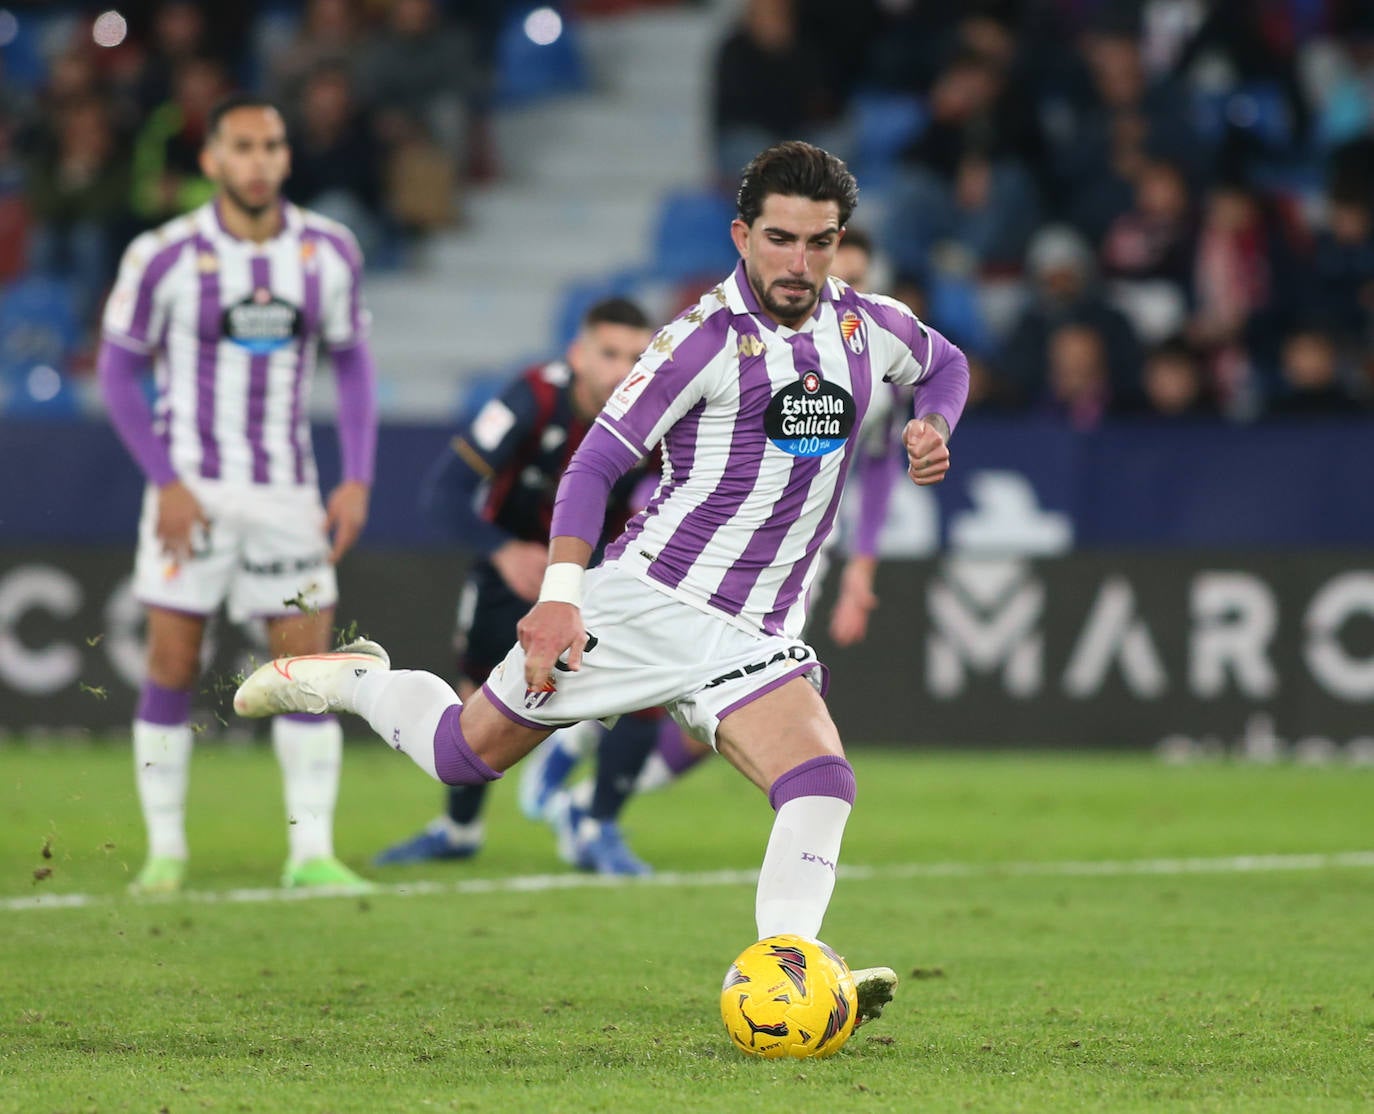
{"x":789,"y":996}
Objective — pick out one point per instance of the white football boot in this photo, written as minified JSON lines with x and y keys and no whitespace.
{"x":875,"y":987}
{"x":314,"y":683}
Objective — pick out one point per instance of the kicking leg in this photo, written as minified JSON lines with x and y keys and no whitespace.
{"x":413,"y":711}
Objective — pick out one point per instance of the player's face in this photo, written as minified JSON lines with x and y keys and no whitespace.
{"x":788,"y":252}
{"x":248,"y":158}
{"x":602,"y":355}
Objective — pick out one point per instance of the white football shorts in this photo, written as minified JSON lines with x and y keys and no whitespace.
{"x":646,"y":649}
{"x":265,"y":554}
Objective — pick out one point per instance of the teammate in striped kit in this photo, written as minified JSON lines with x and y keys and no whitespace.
{"x":755,"y":396}
{"x":230,"y":305}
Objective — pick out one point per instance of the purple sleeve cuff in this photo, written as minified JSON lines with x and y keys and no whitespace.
{"x":877,"y":478}
{"x":357,"y":379}
{"x":120,"y":371}
{"x":579,"y":511}
{"x":944,"y":389}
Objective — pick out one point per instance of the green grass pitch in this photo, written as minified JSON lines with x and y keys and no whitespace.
{"x":1124,"y":987}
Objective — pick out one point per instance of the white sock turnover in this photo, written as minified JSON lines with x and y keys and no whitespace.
{"x":404,"y":707}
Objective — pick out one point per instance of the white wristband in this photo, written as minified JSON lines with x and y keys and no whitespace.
{"x":562,"y":583}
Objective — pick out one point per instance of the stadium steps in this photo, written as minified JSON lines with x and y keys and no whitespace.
{"x":582,"y":182}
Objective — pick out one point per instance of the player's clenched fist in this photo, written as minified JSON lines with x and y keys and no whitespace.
{"x":546,"y":631}
{"x":926,"y":452}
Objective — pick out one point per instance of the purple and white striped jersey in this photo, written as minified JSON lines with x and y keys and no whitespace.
{"x":758,"y":424}
{"x":235,"y":329}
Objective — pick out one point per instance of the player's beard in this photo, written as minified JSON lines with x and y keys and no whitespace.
{"x":242,"y":203}
{"x":784,"y":311}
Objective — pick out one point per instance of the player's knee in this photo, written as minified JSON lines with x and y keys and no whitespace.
{"x":827,"y":776}
{"x":173,"y":667}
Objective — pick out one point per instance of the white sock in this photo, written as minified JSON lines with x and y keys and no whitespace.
{"x":162,"y":764}
{"x":310,"y":755}
{"x":655,"y":774}
{"x":798,"y":873}
{"x":404,"y":707}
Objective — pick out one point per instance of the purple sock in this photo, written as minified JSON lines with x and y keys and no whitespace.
{"x":454,"y":760}
{"x":826,"y":776}
{"x":162,"y":706}
{"x":672,"y":748}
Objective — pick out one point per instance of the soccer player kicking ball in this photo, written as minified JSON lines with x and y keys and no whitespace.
{"x":755,"y":396}
{"x":230,"y":305}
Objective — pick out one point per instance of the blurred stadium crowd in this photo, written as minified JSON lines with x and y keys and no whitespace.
{"x":1116,"y":206}
{"x":102,"y":116}
{"x":1158,"y":206}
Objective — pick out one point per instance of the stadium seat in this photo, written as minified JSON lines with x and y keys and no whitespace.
{"x":954,"y":304}
{"x":529,"y":70}
{"x":692,"y":235}
{"x":37,"y":326}
{"x":884,"y":124}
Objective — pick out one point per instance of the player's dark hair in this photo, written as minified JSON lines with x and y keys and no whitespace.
{"x":858,"y":238}
{"x":796,"y":169}
{"x":615,"y":311}
{"x":232,"y":103}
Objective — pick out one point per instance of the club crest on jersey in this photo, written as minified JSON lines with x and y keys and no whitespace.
{"x":810,"y":417}
{"x":262,"y":322}
{"x":852,"y":329}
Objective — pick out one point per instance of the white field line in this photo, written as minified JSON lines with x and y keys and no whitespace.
{"x":543,"y":883}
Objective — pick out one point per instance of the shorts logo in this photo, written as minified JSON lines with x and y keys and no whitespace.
{"x":282,"y":566}
{"x":810,"y":417}
{"x":851,"y":328}
{"x":792,"y":653}
{"x":262,"y":322}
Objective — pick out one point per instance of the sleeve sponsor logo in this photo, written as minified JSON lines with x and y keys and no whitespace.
{"x":119,"y":310}
{"x":628,"y":392}
{"x":495,"y":420}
